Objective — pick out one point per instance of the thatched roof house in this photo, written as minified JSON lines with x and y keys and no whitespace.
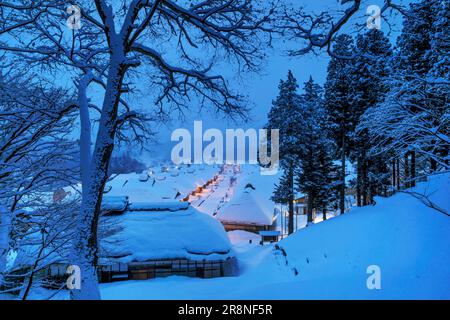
{"x":165,"y":238}
{"x":248,"y":211}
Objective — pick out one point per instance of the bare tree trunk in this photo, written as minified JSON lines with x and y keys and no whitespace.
{"x":342,"y":191}
{"x":398,"y":174}
{"x":371,"y":186}
{"x":394,"y":174}
{"x":28,"y":282}
{"x":86,"y":248}
{"x":365,"y":185}
{"x":433,"y":164}
{"x":282,"y":218}
{"x":413,"y":169}
{"x":5,"y":232}
{"x":291,"y":201}
{"x":324,"y":214}
{"x":406,"y":165}
{"x":358,"y":184}
{"x":310,"y":208}
{"x":85,"y":127}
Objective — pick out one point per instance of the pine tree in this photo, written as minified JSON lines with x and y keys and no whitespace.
{"x":368,"y":71}
{"x":316,"y":171}
{"x":440,"y":41}
{"x":282,"y":193}
{"x":439,"y":74}
{"x":412,"y":123}
{"x":327,"y":196}
{"x":423,"y":51}
{"x":414,"y":43}
{"x":414,"y":63}
{"x":284,"y":115}
{"x":329,"y":179}
{"x":338,"y":104}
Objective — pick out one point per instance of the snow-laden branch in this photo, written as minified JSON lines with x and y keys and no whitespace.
{"x":317,"y":31}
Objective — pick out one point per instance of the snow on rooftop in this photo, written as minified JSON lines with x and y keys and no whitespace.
{"x":114,"y":203}
{"x":238,"y":237}
{"x":147,"y":235}
{"x":158,"y":206}
{"x":250,"y":202}
{"x":247,"y":208}
{"x":164,"y":184}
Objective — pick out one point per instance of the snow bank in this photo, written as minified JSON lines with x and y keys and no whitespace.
{"x":409,"y":242}
{"x":146,"y":235}
{"x":406,"y":239}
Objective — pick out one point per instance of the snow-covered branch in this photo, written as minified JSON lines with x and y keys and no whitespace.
{"x":318,"y":31}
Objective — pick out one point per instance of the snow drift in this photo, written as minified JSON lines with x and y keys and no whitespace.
{"x":408,"y":240}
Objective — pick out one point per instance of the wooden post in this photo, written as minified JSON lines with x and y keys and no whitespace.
{"x":406,"y":165}
{"x":398,"y":173}
{"x":282,"y":225}
{"x":358,"y":183}
{"x":342,"y":189}
{"x":413,"y":168}
{"x":365,"y":184}
{"x":394,"y":174}
{"x":291,"y":200}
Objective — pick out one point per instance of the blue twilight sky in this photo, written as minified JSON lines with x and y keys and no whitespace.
{"x":260,"y":88}
{"x":263,"y":88}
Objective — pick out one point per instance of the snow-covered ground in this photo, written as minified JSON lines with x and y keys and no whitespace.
{"x":177,"y":287}
{"x":406,"y":239}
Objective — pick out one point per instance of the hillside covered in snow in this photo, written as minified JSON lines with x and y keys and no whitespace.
{"x":405,"y":238}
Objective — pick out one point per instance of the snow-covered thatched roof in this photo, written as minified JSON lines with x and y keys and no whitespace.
{"x":172,"y":183}
{"x":158,"y":206}
{"x":148,"y":235}
{"x":114,"y":203}
{"x":247,"y":208}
